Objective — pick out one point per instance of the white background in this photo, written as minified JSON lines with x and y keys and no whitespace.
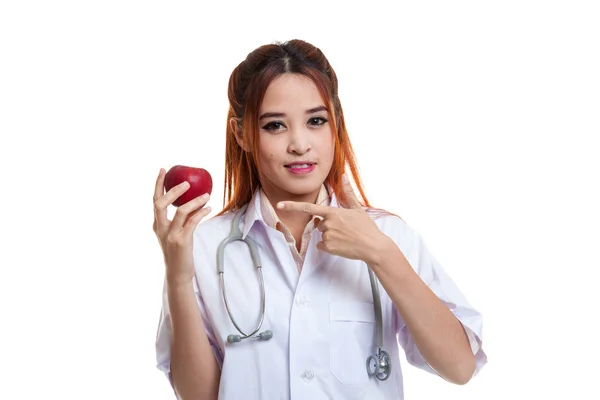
{"x":476,"y":121}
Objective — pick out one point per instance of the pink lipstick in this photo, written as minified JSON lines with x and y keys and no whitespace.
{"x":301,"y":167}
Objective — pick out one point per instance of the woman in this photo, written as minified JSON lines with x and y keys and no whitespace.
{"x":320,"y":245}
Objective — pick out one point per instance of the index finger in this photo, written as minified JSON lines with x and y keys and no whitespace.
{"x":159,"y":188}
{"x":308,"y":208}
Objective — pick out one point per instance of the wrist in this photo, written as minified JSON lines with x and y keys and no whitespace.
{"x":379,"y":250}
{"x":176,"y":285}
{"x":390,"y":262}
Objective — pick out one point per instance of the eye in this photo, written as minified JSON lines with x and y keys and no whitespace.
{"x":316,"y":121}
{"x":273,"y":126}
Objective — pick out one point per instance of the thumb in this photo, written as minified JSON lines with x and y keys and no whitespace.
{"x":350,"y":199}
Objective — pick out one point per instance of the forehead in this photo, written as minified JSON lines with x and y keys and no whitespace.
{"x":290,"y":92}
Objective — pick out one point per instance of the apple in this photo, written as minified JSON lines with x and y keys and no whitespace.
{"x":199,"y":179}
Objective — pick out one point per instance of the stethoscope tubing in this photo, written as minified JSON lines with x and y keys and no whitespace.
{"x":378,"y":365}
{"x":236,"y":235}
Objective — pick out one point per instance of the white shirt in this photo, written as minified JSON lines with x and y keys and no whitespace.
{"x":322,"y":318}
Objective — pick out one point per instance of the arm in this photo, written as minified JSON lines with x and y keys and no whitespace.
{"x":421,"y":296}
{"x":438,"y":334}
{"x":194,"y":370}
{"x":183,"y":348}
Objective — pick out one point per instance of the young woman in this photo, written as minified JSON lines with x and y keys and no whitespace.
{"x":346,"y":286}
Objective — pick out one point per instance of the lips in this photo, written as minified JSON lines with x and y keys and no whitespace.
{"x":300,"y":164}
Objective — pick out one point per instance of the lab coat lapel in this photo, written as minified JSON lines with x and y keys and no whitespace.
{"x":252,"y":214}
{"x":271,"y":243}
{"x":315,"y":258}
{"x":279,"y":254}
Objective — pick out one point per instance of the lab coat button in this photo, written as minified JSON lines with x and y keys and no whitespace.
{"x":307,"y":376}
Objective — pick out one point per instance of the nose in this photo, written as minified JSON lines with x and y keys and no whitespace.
{"x":299,"y":141}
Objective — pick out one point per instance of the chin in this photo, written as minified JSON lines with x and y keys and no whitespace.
{"x":300,"y":187}
{"x":294,"y":186}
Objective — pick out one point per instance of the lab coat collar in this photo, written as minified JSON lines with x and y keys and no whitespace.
{"x":254,"y":214}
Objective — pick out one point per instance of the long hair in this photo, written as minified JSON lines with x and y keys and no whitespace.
{"x":247,"y":86}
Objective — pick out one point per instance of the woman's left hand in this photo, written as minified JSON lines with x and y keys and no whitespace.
{"x":347,"y":231}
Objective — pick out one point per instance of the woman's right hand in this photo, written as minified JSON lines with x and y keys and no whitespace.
{"x":175,"y":237}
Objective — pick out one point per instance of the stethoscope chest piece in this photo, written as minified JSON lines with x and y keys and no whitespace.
{"x":379,"y":365}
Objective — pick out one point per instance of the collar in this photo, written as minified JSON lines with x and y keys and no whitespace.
{"x":260,"y":203}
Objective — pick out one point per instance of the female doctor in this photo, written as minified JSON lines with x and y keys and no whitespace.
{"x":337,"y":288}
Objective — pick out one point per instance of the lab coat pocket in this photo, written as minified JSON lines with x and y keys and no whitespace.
{"x":352,"y":330}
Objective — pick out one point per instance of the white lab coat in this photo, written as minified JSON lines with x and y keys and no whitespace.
{"x":322,"y":319}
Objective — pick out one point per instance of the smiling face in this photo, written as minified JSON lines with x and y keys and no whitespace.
{"x":296,"y":142}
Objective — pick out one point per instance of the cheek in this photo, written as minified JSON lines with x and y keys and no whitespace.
{"x":268,"y":154}
{"x":265,"y":149}
{"x":328,"y":149}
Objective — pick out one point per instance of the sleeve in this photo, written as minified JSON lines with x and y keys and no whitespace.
{"x":163,"y":336}
{"x":436,"y":278}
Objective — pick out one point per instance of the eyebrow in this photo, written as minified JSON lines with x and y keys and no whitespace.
{"x":280,"y":115}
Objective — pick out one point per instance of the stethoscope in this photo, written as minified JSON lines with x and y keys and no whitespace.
{"x":378,"y":364}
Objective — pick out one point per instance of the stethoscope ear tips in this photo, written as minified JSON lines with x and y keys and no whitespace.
{"x":234,"y":338}
{"x":266,"y":335}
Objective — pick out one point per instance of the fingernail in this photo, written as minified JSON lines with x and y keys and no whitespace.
{"x":205,"y":196}
{"x":280,"y":205}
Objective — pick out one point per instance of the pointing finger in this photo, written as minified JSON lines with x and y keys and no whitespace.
{"x":307,"y":208}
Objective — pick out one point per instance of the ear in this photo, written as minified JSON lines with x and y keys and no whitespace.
{"x":238,"y":133}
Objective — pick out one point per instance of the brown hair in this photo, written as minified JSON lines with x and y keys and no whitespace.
{"x":247,"y":86}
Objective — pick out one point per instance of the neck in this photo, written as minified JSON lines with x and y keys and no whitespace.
{"x":293,"y":220}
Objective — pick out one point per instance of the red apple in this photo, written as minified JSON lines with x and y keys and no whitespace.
{"x":199,"y":179}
